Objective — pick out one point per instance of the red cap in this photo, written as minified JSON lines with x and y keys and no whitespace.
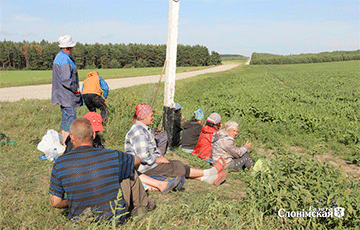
{"x":96,"y":121}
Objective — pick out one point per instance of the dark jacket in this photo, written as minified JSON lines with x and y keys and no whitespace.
{"x":191,"y":133}
{"x":65,"y":82}
{"x":96,"y":144}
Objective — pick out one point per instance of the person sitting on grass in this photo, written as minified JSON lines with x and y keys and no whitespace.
{"x":203,"y":146}
{"x":101,"y":180}
{"x":96,"y":121}
{"x":179,"y":118}
{"x":140,"y":142}
{"x":224,"y":146}
{"x":191,"y":132}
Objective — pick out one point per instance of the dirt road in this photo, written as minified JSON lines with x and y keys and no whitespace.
{"x":44,"y":91}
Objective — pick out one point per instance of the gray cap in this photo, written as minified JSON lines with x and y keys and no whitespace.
{"x":214,"y":118}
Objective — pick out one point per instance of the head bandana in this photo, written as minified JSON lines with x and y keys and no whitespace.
{"x":142,"y":111}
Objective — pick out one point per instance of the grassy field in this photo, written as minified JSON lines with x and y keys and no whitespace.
{"x":32,"y":77}
{"x":292,"y":114}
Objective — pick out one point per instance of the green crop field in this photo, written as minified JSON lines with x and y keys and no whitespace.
{"x":293,"y":114}
{"x":11,"y":78}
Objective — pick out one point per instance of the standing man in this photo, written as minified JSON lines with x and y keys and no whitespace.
{"x":65,"y":85}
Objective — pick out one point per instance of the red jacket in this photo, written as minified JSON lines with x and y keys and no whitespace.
{"x":203,"y":146}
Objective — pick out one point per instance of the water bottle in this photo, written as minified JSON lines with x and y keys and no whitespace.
{"x":55,"y":154}
{"x":42,"y":158}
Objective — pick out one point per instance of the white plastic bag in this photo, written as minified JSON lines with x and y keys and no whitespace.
{"x":50,"y":145}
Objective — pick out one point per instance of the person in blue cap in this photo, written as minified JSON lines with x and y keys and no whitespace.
{"x":179,"y":118}
{"x":191,"y":131}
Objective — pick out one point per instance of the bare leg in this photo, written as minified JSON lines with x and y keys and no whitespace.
{"x":64,"y":135}
{"x":196,"y":173}
{"x":160,"y":185}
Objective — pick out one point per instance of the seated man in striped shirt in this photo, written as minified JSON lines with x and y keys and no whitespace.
{"x":94,"y":178}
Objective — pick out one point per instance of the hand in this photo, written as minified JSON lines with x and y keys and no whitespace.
{"x":182,"y":116}
{"x":248,"y":144}
{"x":162,"y":160}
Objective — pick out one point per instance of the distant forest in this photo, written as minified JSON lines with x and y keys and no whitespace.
{"x":40,"y":56}
{"x":233,"y":57}
{"x":272,"y":59}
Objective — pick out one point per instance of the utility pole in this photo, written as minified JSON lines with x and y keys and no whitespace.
{"x":170,"y":71}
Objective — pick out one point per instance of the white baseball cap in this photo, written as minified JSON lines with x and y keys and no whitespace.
{"x":66,"y":41}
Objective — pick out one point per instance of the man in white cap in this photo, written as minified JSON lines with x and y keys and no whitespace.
{"x":65,"y":85}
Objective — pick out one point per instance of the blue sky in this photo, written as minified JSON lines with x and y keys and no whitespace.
{"x":225,"y":26}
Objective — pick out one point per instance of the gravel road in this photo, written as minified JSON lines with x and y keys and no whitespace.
{"x":44,"y":91}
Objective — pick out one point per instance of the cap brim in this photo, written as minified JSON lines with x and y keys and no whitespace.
{"x":68,"y":45}
{"x":98,"y":128}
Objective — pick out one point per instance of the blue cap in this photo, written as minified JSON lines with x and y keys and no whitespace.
{"x":199,"y":115}
{"x":178,"y":106}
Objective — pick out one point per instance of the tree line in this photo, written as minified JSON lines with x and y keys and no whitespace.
{"x":40,"y":56}
{"x":271,"y":59}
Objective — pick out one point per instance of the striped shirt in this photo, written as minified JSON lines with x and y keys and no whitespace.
{"x":139,"y":141}
{"x":91,"y":179}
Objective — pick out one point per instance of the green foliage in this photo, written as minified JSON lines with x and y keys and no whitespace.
{"x":289,"y":105}
{"x":40,"y":56}
{"x":296,"y":183}
{"x":312,"y":106}
{"x":272,"y":59}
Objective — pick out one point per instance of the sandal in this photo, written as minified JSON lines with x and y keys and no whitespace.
{"x":171,"y":185}
{"x":220,"y":164}
{"x":221,"y":178}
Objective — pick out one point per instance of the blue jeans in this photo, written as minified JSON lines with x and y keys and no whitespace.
{"x":68,"y":115}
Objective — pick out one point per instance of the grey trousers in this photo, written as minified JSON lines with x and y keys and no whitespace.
{"x":244,"y":161}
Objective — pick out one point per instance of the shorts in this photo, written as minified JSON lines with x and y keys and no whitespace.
{"x":172,"y":169}
{"x":68,"y":115}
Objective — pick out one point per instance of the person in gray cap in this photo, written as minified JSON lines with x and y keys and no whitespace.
{"x":203,"y":146}
{"x":65,"y":85}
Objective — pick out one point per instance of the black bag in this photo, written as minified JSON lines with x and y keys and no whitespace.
{"x":161,"y":140}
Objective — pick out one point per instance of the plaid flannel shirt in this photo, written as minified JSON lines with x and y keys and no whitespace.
{"x":139,"y":141}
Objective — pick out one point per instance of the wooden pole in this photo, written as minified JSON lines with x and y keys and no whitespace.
{"x":170,"y":70}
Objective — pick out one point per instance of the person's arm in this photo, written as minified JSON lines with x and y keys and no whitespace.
{"x":104,"y":86}
{"x":57,"y":202}
{"x":234,"y":151}
{"x":161,"y":159}
{"x":137,"y":162}
{"x":140,"y":147}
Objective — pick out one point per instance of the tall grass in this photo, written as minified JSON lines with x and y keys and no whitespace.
{"x":246,"y":201}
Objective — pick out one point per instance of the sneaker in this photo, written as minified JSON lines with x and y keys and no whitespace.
{"x":171,"y":185}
